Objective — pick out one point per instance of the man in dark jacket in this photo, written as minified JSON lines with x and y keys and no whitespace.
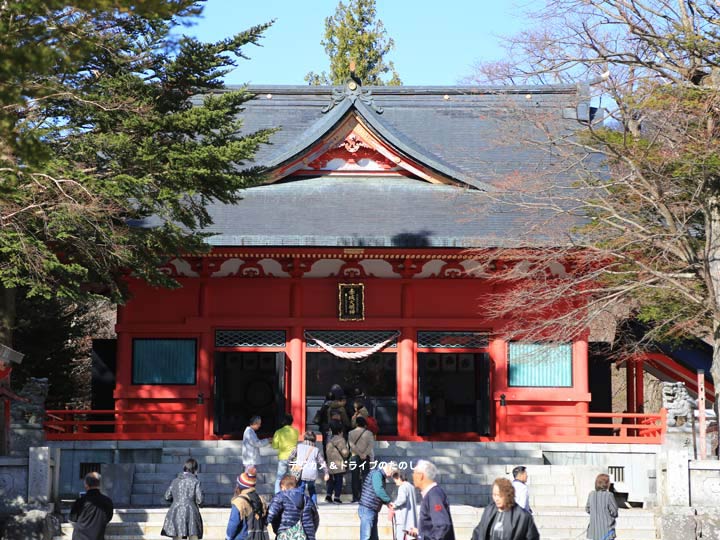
{"x":372,"y":498}
{"x":91,"y":512}
{"x":291,"y":506}
{"x":435,"y":522}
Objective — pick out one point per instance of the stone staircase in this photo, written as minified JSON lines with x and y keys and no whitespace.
{"x":466,"y":472}
{"x":340,"y":522}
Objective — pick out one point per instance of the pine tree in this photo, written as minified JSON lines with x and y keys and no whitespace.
{"x":354,"y":34}
{"x":107,"y":118}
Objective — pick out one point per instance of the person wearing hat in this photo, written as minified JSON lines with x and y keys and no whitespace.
{"x":247,"y":510}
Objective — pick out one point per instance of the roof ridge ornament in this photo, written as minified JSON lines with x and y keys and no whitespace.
{"x":352,"y":91}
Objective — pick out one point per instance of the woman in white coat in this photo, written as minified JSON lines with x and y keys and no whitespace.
{"x":404,"y":505}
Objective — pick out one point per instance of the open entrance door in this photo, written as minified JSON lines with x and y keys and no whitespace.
{"x":376,"y":376}
{"x":453,"y":393}
{"x":249,"y":384}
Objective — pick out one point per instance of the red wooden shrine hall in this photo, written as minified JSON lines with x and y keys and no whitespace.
{"x":356,"y":264}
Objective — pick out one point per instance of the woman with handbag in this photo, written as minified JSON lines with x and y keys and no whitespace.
{"x":603,"y":510}
{"x":292,"y":514}
{"x":338,"y":452}
{"x":306,"y":460}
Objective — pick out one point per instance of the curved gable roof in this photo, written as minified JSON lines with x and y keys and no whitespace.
{"x":452,"y":131}
{"x":371,"y":117}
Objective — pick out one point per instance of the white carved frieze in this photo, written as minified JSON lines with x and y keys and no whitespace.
{"x":183,"y":268}
{"x":273,"y":268}
{"x":379,"y":268}
{"x":229,"y":267}
{"x":430,"y":269}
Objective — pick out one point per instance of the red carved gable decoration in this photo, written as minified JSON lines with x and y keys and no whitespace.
{"x":353,"y":154}
{"x":352,"y":148}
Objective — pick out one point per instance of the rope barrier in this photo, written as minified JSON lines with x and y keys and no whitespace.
{"x":357,"y":356}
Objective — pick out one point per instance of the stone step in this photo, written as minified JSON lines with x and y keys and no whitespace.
{"x":342,"y":522}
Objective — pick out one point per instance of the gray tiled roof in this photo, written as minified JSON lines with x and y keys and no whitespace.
{"x":474,"y":135}
{"x":371,"y":211}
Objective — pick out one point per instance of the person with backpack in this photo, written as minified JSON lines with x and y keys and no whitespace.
{"x":322,"y":420}
{"x":338,"y":414}
{"x":292,"y":514}
{"x":361,"y":442}
{"x":248,"y":511}
{"x":338,"y":452}
{"x":305,"y":461}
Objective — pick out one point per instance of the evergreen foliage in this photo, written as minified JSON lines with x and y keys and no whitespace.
{"x":107,"y":118}
{"x":354,"y":34}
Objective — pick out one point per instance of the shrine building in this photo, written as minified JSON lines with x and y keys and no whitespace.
{"x":354,"y":264}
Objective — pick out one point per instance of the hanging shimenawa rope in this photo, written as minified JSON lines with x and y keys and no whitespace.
{"x":357,"y":356}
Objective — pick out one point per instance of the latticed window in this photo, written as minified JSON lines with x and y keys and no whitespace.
{"x":540,"y":364}
{"x":250,"y":338}
{"x":452,"y":340}
{"x":350,"y":338}
{"x":164,"y":361}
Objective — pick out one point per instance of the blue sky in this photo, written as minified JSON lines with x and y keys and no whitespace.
{"x":436,"y":42}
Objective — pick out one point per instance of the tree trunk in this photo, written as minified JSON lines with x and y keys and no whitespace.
{"x":713,"y":258}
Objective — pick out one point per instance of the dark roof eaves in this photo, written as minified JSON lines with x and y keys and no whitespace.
{"x":331,"y":241}
{"x":282,"y":89}
{"x":311,"y":136}
{"x":418,"y":154}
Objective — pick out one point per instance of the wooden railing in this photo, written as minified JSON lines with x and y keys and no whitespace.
{"x":587,"y":427}
{"x":116,"y":424}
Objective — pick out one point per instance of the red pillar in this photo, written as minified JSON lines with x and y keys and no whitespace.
{"x":205,"y":370}
{"x":206,"y":365}
{"x":639,"y":386}
{"x":123,"y":374}
{"x":406,"y":371}
{"x":581,"y":382}
{"x":498,"y":353}
{"x":296,"y":356}
{"x":406,"y":392}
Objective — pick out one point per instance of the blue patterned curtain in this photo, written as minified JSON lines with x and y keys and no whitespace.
{"x":164,"y":361}
{"x":540,"y":364}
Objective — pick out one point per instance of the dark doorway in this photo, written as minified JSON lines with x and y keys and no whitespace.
{"x":600,"y":385}
{"x":453,"y":393}
{"x":104,"y":362}
{"x":248,"y":384}
{"x":376,"y":376}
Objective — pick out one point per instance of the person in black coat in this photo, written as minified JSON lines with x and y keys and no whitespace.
{"x":91,"y":512}
{"x":503,"y":519}
{"x":435,"y":522}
